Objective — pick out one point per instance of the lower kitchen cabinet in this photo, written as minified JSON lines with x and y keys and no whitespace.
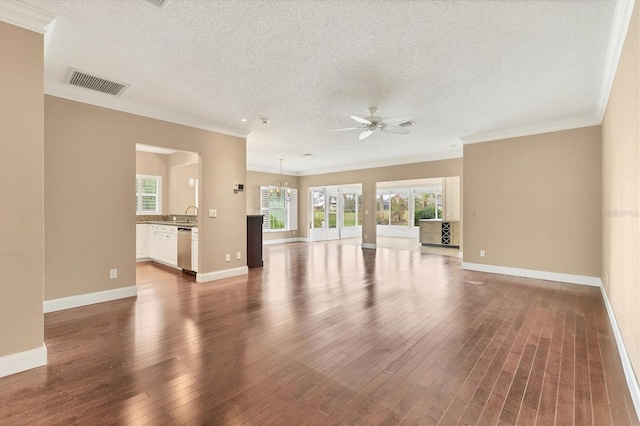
{"x":194,"y":249}
{"x":160,"y":243}
{"x":163,"y":244}
{"x":142,"y":241}
{"x":437,"y":232}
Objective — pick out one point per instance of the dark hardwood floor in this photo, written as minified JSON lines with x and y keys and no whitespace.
{"x":330,"y":334}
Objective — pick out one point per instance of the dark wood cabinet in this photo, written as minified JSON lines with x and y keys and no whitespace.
{"x":254,"y":241}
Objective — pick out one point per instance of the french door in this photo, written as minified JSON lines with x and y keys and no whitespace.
{"x":335,"y":213}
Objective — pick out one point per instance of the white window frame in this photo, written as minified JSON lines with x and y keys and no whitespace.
{"x":291,"y":210}
{"x":158,"y":195}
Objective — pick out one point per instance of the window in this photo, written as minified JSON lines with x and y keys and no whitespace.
{"x":281,"y":215}
{"x":382,"y":208}
{"x":392,"y":207}
{"x":399,"y":208}
{"x":148,"y":194}
{"x":427,"y":203}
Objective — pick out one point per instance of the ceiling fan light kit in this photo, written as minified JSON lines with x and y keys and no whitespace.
{"x":373,"y":123}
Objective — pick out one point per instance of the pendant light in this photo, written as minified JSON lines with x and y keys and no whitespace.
{"x":281,"y":189}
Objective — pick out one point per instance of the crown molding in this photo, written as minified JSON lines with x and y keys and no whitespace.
{"x":274,"y":171}
{"x":437,"y":156}
{"x":25,"y":16}
{"x":86,"y":96}
{"x":533,"y":129}
{"x":619,"y":27}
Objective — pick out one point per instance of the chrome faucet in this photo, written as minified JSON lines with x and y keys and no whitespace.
{"x":187,"y":209}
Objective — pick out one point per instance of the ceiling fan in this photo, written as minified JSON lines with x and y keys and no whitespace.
{"x":372,"y":123}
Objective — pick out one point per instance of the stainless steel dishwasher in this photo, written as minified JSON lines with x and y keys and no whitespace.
{"x":184,"y":249}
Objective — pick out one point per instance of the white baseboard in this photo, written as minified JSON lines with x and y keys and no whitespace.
{"x":144,"y":259}
{"x":285,"y":240}
{"x":89,"y":299}
{"x":368,"y":246}
{"x":23,"y":361}
{"x":632,"y":382}
{"x":219,"y":275}
{"x":532,"y":273}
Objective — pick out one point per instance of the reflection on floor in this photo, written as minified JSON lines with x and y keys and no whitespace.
{"x":401,"y":243}
{"x":329,"y":334}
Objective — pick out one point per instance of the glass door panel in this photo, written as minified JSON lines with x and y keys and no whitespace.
{"x":333,"y":214}
{"x":318,"y":203}
{"x":349,"y":210}
{"x":333,"y":210}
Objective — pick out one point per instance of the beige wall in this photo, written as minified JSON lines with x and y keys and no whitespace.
{"x":181,"y":158}
{"x":368,"y":178}
{"x":531,"y":202}
{"x":90,"y":166}
{"x":21,"y":189}
{"x":182,"y":166}
{"x":252,"y":189}
{"x":620,"y":194}
{"x":149,"y":163}
{"x":181,"y":194}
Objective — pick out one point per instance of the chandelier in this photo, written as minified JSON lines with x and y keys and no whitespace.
{"x":281,"y":189}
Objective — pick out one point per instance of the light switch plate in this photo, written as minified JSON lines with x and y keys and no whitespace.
{"x":213,"y":213}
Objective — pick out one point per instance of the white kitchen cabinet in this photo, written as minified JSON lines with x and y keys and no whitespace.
{"x":163,"y":244}
{"x":194,"y":249}
{"x":154,"y":242}
{"x":171,"y":254}
{"x":142,"y":241}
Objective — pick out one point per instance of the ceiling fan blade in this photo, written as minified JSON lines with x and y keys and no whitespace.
{"x":361,"y":120}
{"x":365,"y":134}
{"x":395,"y":129}
{"x":346,"y":128}
{"x":396,"y":120}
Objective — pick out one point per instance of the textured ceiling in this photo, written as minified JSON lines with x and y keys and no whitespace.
{"x":459,"y":68}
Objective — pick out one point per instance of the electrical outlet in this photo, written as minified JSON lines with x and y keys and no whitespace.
{"x":227,"y":257}
{"x":238,"y":255}
{"x":113,"y":273}
{"x":365,"y":236}
{"x":482,"y":253}
{"x":213,"y":213}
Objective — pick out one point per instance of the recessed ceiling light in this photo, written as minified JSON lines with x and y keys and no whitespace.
{"x":244,"y":120}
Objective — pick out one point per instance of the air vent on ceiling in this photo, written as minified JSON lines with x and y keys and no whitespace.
{"x":159,"y":3}
{"x":88,"y":81}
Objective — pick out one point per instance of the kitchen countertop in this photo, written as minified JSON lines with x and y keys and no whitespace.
{"x":169,"y":223}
